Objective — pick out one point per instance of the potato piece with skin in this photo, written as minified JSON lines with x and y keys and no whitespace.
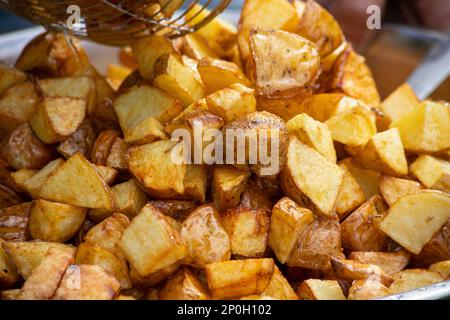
{"x":14,"y":222}
{"x":279,"y":288}
{"x":317,"y":244}
{"x":102,"y":146}
{"x":197,"y":48}
{"x":205,"y":237}
{"x":17,"y":105}
{"x":153,"y":168}
{"x":8,"y":271}
{"x":320,"y":27}
{"x":64,"y":185}
{"x":314,"y":134}
{"x":34,"y":184}
{"x":147,"y":50}
{"x":360,"y":229}
{"x":399,"y":103}
{"x":147,"y":131}
{"x":392,"y":188}
{"x":8,"y":197}
{"x":304,"y":175}
{"x":86,"y":282}
{"x":81,"y":141}
{"x":411,"y":279}
{"x":287,"y":222}
{"x":177,"y":209}
{"x":55,"y":222}
{"x":351,"y":195}
{"x":10,"y":76}
{"x":227,"y":186}
{"x":237,"y":278}
{"x":152,"y":279}
{"x":368,"y":290}
{"x":184,"y":285}
{"x":255,"y":197}
{"x":116,"y":157}
{"x":426,"y":129}
{"x":389,"y":262}
{"x":220,"y":74}
{"x":151,"y":243}
{"x":45,"y":278}
{"x":293,"y":74}
{"x":173,"y":77}
{"x":90,"y":254}
{"x":434,"y":173}
{"x":366,"y":178}
{"x":248,"y":231}
{"x":57,"y":118}
{"x":233,"y":102}
{"x":315,"y":289}
{"x":271,"y":14}
{"x":27,"y":256}
{"x":352,"y":270}
{"x":107,"y":233}
{"x":442,"y":267}
{"x":415,"y":218}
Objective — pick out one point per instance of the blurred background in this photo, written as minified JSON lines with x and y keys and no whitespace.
{"x":411,"y":28}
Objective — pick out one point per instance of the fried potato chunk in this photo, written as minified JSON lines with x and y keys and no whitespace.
{"x":8,"y":271}
{"x":389,"y":262}
{"x":434,"y":173}
{"x":392,"y":189}
{"x":411,"y":279}
{"x":227,"y":187}
{"x":279,"y":288}
{"x":399,"y":103}
{"x":368,"y":290}
{"x":184,"y":285}
{"x":151,"y":243}
{"x":351,"y":195}
{"x":315,"y":289}
{"x":238,"y":278}
{"x":205,"y":237}
{"x":442,"y":267}
{"x":352,"y":270}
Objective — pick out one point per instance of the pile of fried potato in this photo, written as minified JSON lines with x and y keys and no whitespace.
{"x":92,"y":207}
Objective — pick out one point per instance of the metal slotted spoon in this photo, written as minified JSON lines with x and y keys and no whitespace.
{"x":118,"y":22}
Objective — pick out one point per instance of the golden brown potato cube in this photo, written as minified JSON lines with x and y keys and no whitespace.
{"x":107,"y":233}
{"x":147,"y":131}
{"x":238,"y":278}
{"x":151,"y":243}
{"x":367,"y":179}
{"x":107,"y":174}
{"x":45,"y":278}
{"x":272,"y":14}
{"x":399,"y":103}
{"x":248,"y":230}
{"x":285,"y":63}
{"x":411,"y":279}
{"x":279,"y":288}
{"x":195,"y":183}
{"x":23,"y":150}
{"x":64,"y":185}
{"x":147,"y":50}
{"x":308,"y":176}
{"x":192,"y":65}
{"x":255,"y":197}
{"x":319,"y":26}
{"x":220,"y":74}
{"x":414,"y":219}
{"x":287,"y":222}
{"x":314,"y":134}
{"x":27,"y":256}
{"x":389,"y":262}
{"x":205,"y":237}
{"x":317,"y":244}
{"x":87,"y":282}
{"x":184,"y":285}
{"x":34,"y":184}
{"x":392,"y":188}
{"x":57,"y":118}
{"x":10,"y":76}
{"x":153,"y":167}
{"x":442,"y":267}
{"x":8,"y":271}
{"x":91,"y":254}
{"x":102,"y":146}
{"x":20,"y":176}
{"x":228,"y":185}
{"x":81,"y":141}
{"x":10,"y":294}
{"x":233,"y":102}
{"x":352,"y":270}
{"x":351,"y":195}
{"x":172,"y":76}
{"x":286,"y":108}
{"x":14,"y":222}
{"x":17,"y":105}
{"x":316,"y":289}
{"x":116,"y":157}
{"x":141,"y":102}
{"x":434,"y":173}
{"x":384,"y":153}
{"x":368,"y":290}
{"x":360,"y":229}
{"x":55,"y":222}
{"x":197,"y":48}
{"x":154,"y":278}
{"x":352,"y":76}
{"x":426,"y":128}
